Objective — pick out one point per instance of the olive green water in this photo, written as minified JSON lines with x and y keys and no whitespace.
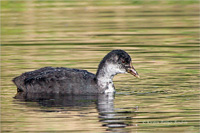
{"x":161,"y":37}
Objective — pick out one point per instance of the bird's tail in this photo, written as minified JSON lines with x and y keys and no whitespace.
{"x":19,"y":82}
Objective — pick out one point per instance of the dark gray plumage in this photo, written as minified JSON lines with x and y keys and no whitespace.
{"x":75,"y":81}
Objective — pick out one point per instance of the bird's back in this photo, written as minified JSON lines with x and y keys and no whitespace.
{"x":57,"y":80}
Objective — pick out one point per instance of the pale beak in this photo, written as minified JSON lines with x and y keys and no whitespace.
{"x":132,"y":71}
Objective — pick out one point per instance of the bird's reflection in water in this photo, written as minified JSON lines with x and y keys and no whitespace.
{"x":57,"y":100}
{"x":115,"y":119}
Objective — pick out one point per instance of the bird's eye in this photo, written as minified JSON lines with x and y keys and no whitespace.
{"x":123,"y":61}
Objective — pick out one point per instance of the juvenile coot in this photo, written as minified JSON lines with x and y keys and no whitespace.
{"x":74,"y":81}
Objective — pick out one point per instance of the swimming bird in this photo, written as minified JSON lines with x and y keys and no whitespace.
{"x":75,"y":81}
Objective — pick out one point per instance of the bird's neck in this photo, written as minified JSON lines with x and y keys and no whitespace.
{"x":104,"y":76}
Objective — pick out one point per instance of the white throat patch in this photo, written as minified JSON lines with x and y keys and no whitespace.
{"x":108,"y":72}
{"x":111,"y":88}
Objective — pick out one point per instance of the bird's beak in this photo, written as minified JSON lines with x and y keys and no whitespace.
{"x":132,"y":71}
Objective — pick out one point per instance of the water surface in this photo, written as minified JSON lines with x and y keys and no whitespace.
{"x":161,"y":38}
